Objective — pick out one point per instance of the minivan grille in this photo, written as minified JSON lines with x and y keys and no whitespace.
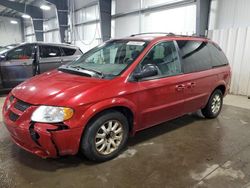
{"x":22,"y":106}
{"x":13,"y":116}
{"x":11,"y":98}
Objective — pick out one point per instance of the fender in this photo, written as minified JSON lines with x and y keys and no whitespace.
{"x":107,"y":104}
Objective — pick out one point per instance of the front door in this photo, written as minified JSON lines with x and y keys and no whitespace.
{"x":18,"y":66}
{"x":161,"y":97}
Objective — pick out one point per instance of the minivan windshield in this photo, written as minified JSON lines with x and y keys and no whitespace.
{"x":107,"y":60}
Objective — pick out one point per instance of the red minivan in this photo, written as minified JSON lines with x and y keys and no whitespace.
{"x":116,"y":89}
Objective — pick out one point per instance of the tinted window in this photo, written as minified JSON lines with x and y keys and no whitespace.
{"x":68,"y":51}
{"x":49,"y":51}
{"x":165,"y":56}
{"x":23,"y":52}
{"x":195,"y":56}
{"x":218,"y":57}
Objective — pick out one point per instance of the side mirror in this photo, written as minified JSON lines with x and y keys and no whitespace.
{"x":147,"y":71}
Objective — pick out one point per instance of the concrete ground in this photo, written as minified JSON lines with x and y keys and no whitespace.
{"x":186,"y":152}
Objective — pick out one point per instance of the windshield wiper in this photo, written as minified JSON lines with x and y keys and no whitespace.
{"x":92,"y":70}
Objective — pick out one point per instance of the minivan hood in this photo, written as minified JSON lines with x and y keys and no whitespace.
{"x":55,"y":88}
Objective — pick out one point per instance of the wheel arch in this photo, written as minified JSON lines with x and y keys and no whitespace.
{"x":126,"y":107}
{"x":221,"y":87}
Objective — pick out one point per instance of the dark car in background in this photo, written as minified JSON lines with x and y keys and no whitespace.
{"x":29,"y":59}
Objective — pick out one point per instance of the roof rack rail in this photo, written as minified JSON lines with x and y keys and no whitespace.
{"x":149,"y":33}
{"x":170,"y":34}
{"x":195,"y":35}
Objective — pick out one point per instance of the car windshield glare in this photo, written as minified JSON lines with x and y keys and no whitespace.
{"x":109,"y":59}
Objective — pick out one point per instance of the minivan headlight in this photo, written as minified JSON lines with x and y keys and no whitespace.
{"x":51,"y":114}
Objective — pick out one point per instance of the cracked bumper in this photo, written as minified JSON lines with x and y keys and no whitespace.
{"x":49,"y":144}
{"x":43,"y":139}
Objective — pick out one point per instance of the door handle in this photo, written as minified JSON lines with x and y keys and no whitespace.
{"x":180,"y":87}
{"x":191,"y":85}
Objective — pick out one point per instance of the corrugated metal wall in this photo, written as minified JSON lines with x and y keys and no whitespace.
{"x":226,"y":14}
{"x":51,"y":31}
{"x":236,"y":45}
{"x":177,"y":20}
{"x":229,"y":26}
{"x":87,"y":32}
{"x":29,"y":34}
{"x":87,"y":35}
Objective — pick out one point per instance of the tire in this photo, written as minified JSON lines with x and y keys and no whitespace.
{"x":214,"y":105}
{"x":105,"y":136}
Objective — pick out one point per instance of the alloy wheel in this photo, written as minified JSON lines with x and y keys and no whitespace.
{"x":109,"y":136}
{"x":216,"y":104}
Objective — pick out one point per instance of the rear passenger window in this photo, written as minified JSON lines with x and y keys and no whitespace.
{"x":218,"y":57}
{"x":49,"y":51}
{"x":68,"y":51}
{"x":195,"y":56}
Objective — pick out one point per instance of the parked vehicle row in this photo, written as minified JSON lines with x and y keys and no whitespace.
{"x":26,"y":60}
{"x":116,"y":89}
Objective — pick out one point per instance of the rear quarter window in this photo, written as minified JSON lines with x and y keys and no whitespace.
{"x":195,"y":55}
{"x":68,"y":51}
{"x":49,"y":51}
{"x":217,"y":56}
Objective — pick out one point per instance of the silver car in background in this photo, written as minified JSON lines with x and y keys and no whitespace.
{"x":29,"y":59}
{"x":4,"y":49}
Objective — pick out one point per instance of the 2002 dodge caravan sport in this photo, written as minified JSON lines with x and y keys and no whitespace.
{"x":116,"y":89}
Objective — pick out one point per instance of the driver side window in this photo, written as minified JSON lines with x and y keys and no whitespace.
{"x":165,"y":57}
{"x":20,"y":53}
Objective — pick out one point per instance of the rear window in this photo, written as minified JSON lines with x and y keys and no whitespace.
{"x":195,"y":56}
{"x":49,"y":51}
{"x":217,"y":55}
{"x":68,"y":51}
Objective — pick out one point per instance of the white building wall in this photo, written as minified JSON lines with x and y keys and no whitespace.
{"x":29,"y":34}
{"x":87,"y":35}
{"x":127,"y":25}
{"x":227,"y":14}
{"x":11,"y":32}
{"x":229,"y":26}
{"x":177,"y":20}
{"x":51,"y":31}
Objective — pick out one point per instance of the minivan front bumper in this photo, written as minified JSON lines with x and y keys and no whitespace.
{"x":42,"y":139}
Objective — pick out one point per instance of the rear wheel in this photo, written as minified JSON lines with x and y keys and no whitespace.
{"x":105,"y":136}
{"x":214,"y":105}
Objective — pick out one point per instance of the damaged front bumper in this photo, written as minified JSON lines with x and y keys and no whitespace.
{"x":42,"y":139}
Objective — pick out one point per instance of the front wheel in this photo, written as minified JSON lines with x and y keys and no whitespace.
{"x":105,"y":136}
{"x":214,"y":105}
